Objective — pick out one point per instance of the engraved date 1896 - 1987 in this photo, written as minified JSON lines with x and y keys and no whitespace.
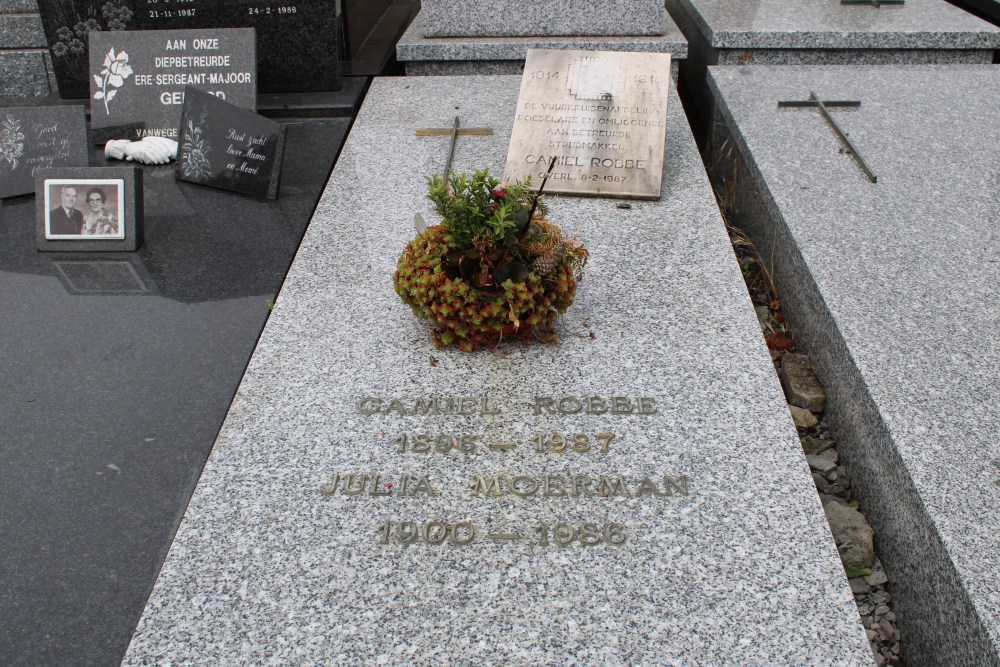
{"x":464,"y":533}
{"x":556,"y":443}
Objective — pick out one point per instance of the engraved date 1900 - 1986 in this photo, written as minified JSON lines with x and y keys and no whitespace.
{"x":556,"y":443}
{"x":464,"y":533}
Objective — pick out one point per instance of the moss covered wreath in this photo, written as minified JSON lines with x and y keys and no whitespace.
{"x":494,"y":268}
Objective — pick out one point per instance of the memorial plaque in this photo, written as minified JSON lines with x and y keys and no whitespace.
{"x":38,"y":138}
{"x":303,"y":37}
{"x":227,"y":147}
{"x":140,"y":76}
{"x":601,"y":114}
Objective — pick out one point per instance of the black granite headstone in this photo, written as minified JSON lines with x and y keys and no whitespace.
{"x":140,"y":76}
{"x":227,"y":147}
{"x":301,"y":40}
{"x":38,"y":138}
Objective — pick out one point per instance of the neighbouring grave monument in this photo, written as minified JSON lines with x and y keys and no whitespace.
{"x":636,"y":495}
{"x":302,"y":37}
{"x":601,"y":116}
{"x":227,"y":147}
{"x":825,"y":32}
{"x":39,"y":138}
{"x":141,"y":75}
{"x":450,"y":37}
{"x":891,"y":288}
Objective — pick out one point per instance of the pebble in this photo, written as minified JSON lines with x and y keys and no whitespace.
{"x":811,"y":445}
{"x":802,"y":417}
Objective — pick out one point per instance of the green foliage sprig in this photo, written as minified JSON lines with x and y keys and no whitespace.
{"x":477,"y":209}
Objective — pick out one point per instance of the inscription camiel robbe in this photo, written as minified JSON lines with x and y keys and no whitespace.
{"x":567,"y":485}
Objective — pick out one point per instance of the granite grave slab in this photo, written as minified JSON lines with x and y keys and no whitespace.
{"x":300,"y":41}
{"x":226,"y":147}
{"x":301,"y":542}
{"x":601,"y":116}
{"x":518,"y":18}
{"x":23,"y":51}
{"x":39,"y":138}
{"x":140,"y":76}
{"x":423,"y":54}
{"x":825,"y":32}
{"x":118,"y":370}
{"x":891,"y":287}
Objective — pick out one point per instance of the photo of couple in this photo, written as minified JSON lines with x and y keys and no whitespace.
{"x":79,"y":209}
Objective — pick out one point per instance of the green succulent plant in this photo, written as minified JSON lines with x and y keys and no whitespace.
{"x":494,"y":268}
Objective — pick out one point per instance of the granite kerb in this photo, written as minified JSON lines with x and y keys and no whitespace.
{"x":929,"y":574}
{"x":274,"y":567}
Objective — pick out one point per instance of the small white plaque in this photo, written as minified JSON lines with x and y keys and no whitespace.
{"x":601,"y":114}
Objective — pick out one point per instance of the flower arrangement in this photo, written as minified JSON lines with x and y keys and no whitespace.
{"x":494,"y":268}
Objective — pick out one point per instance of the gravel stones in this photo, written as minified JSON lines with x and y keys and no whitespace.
{"x":852,"y":534}
{"x":802,"y":387}
{"x":802,"y":417}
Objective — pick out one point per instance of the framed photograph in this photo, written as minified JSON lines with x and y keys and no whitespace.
{"x":89,"y":209}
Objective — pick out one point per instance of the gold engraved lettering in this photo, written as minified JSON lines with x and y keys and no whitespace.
{"x":467,"y":406}
{"x":569,"y":405}
{"x":330,"y":488}
{"x":369,"y":405}
{"x":613,"y":488}
{"x":350,"y":489}
{"x":620,"y":405}
{"x":543,"y":402}
{"x":423,"y":485}
{"x":647,"y":406}
{"x":554,"y":486}
{"x":581,"y":482}
{"x":486,"y":408}
{"x":647,"y":487}
{"x":679,"y":483}
{"x":596,"y":405}
{"x":395,"y":405}
{"x":378,"y":488}
{"x":487,"y":488}
{"x":524,"y":486}
{"x":424,"y":406}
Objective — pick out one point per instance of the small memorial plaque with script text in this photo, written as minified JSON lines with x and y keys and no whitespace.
{"x":39,"y":138}
{"x":140,"y":76}
{"x":601,"y":114}
{"x":227,"y":147}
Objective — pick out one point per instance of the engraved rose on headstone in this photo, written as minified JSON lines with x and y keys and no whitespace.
{"x":114,"y":72}
{"x":11,"y":142}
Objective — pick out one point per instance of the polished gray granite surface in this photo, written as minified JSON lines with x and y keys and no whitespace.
{"x":892,"y":288}
{"x":275,"y":562}
{"x":826,"y":24}
{"x":116,"y":371}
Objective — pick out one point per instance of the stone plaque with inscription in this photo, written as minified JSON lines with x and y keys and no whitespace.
{"x":141,"y":76}
{"x":39,"y":138}
{"x":227,"y":147}
{"x":300,"y":39}
{"x":632,"y":497}
{"x":602,"y":115}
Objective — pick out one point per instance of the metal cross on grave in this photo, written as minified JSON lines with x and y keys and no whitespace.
{"x":814,"y":101}
{"x":455,"y":132}
{"x":873,"y":3}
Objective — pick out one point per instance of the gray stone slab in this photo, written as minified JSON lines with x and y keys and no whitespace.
{"x":472,"y":18}
{"x":425,"y":55}
{"x":891,"y":287}
{"x":18,"y":31}
{"x":18,"y":6}
{"x":822,"y":32}
{"x":791,"y":24}
{"x":742,"y":570}
{"x":25,"y":74}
